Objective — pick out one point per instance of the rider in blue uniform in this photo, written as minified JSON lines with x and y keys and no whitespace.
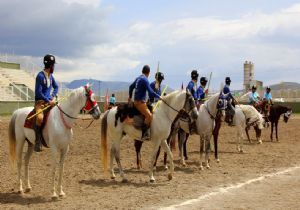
{"x":201,"y":91}
{"x":230,"y":101}
{"x":142,"y":86}
{"x":156,"y":86}
{"x":192,"y":86}
{"x":254,"y":98}
{"x":44,"y":84}
{"x":268,"y":95}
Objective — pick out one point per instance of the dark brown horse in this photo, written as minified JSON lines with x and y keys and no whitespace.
{"x":275,"y":112}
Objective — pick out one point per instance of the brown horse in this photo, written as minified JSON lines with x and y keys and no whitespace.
{"x":275,"y":112}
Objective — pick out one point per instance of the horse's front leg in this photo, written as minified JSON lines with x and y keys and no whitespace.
{"x":271,"y":135}
{"x":26,"y":161}
{"x":202,"y":142}
{"x":152,"y":160}
{"x":276,"y":129}
{"x":247,"y":133}
{"x":165,"y":146}
{"x":61,"y":170}
{"x":207,"y":151}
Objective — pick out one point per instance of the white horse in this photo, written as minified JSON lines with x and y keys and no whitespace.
{"x":57,"y":133}
{"x":205,"y":124}
{"x":166,"y":112}
{"x":246,"y":116}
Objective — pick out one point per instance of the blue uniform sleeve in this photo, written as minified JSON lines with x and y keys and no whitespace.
{"x":200,"y":93}
{"x":131,"y":88}
{"x":38,"y":88}
{"x":150,"y":90}
{"x":190,"y":87}
{"x":55,"y":87}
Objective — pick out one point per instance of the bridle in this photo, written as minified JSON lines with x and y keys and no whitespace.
{"x":89,"y":106}
{"x":182,"y":113}
{"x":210,"y":114}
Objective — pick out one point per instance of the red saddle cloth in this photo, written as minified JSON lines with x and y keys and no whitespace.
{"x":29,"y":123}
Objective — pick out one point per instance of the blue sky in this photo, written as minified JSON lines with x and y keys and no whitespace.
{"x":112,"y":40}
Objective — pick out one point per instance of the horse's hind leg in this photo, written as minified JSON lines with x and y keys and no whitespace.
{"x":165,"y":146}
{"x":247,"y":133}
{"x":26,"y":160}
{"x":54,"y":162}
{"x":61,"y":170}
{"x":118,"y":160}
{"x":138,"y":146}
{"x":19,"y":151}
{"x":112,"y":155}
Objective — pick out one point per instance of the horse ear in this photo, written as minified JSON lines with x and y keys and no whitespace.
{"x":187,"y":90}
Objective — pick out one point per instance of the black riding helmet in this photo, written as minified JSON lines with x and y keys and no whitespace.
{"x":253,"y":87}
{"x":268,"y":88}
{"x":49,"y":60}
{"x":203,"y":81}
{"x":194,"y":75}
{"x":227,"y":80}
{"x":159,"y":76}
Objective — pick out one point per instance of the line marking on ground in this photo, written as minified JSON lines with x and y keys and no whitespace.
{"x":223,"y":190}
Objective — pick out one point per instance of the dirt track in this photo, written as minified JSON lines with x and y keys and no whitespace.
{"x":87,"y":187}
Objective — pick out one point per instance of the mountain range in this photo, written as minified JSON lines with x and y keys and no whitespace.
{"x":119,"y":86}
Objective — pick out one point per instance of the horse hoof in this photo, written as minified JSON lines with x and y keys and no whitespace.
{"x":21,"y":192}
{"x":152,"y":180}
{"x":113,"y":177}
{"x":166,"y":167}
{"x":208,"y":167}
{"x":124,"y":180}
{"x":218,"y":160}
{"x":259,"y":142}
{"x":62,"y":195}
{"x":170,"y":177}
{"x":27,"y":190}
{"x":54,"y":197}
{"x":201,"y":168}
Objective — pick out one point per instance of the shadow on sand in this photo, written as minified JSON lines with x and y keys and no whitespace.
{"x":22,"y":199}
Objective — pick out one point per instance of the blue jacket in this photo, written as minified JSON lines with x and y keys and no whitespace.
{"x":227,"y":90}
{"x":201,"y":93}
{"x":141,"y":86}
{"x":268,"y":96}
{"x":43,"y":90}
{"x":153,"y":97}
{"x":192,"y":87}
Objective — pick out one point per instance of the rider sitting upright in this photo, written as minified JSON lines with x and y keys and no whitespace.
{"x":141,"y":86}
{"x":156,"y":87}
{"x":268,"y":95}
{"x":230,"y":100}
{"x":192,"y":86}
{"x":44,"y":84}
{"x":201,"y":91}
{"x":254,"y":98}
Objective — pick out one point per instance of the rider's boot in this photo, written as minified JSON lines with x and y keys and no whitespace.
{"x":145,"y":132}
{"x":38,"y":136}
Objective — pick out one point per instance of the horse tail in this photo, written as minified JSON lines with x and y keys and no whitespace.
{"x":12,"y":139}
{"x":104,"y":140}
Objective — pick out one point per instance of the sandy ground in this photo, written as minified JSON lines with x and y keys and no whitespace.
{"x":87,"y":187}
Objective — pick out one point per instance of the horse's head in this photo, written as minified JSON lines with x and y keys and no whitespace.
{"x":222,"y":107}
{"x":287,"y":115}
{"x":190,"y":105}
{"x":91,"y":105}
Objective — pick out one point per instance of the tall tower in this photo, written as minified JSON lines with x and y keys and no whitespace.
{"x":248,"y":74}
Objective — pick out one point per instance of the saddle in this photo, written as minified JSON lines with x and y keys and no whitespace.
{"x":30,"y":123}
{"x":128,"y":112}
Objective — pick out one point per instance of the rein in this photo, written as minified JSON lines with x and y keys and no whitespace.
{"x":74,"y":118}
